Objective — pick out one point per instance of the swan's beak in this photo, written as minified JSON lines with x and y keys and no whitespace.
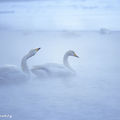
{"x":76,"y":55}
{"x":37,"y":49}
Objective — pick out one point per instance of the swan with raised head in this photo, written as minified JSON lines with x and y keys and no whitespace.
{"x":55,"y":70}
{"x":12,"y":72}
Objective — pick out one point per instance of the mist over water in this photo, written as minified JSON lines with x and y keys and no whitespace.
{"x":90,"y":95}
{"x":94,"y":91}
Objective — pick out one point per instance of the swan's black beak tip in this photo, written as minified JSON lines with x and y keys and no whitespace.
{"x":77,"y":56}
{"x":38,"y":49}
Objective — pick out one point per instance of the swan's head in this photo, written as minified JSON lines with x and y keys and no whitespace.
{"x":72,"y":53}
{"x":33,"y":51}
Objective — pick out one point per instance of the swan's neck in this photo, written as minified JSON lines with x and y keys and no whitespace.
{"x":66,"y":63}
{"x":24,"y":64}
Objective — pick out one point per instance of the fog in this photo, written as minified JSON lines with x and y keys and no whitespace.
{"x":56,"y":27}
{"x":60,"y":15}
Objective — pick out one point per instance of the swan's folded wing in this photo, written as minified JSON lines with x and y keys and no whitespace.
{"x":11,"y":73}
{"x":40,"y":71}
{"x":35,"y":68}
{"x":51,"y":69}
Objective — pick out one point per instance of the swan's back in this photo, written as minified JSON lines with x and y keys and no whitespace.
{"x":52,"y":69}
{"x":40,"y":71}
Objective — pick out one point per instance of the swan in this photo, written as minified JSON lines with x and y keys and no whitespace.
{"x":11,"y":72}
{"x":55,"y":70}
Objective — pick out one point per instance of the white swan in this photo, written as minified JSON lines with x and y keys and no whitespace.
{"x":11,"y":73}
{"x":55,"y":70}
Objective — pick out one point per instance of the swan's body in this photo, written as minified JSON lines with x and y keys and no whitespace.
{"x":54,"y":69}
{"x":11,"y":72}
